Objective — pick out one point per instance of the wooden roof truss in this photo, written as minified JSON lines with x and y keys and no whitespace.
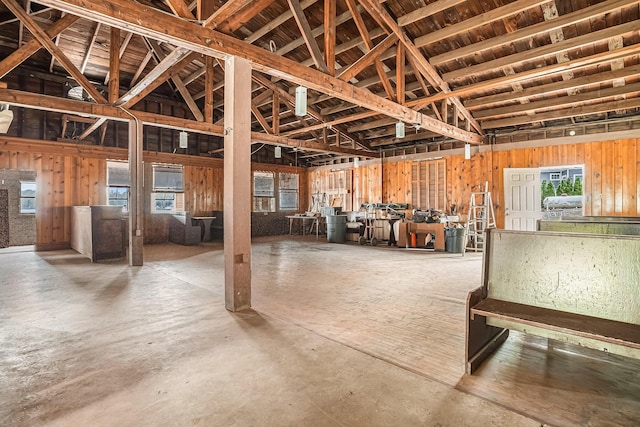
{"x":454,"y":71}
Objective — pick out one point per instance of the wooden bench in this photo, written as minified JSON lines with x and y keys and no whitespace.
{"x":573,"y":287}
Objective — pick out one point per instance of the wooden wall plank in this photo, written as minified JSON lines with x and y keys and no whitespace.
{"x":629,"y":178}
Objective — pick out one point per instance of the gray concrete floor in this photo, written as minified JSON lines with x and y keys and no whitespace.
{"x":339,"y":335}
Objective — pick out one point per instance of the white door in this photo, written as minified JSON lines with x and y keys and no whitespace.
{"x":521,"y":198}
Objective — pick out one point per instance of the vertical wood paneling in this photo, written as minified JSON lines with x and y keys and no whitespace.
{"x":596,"y":178}
{"x":628,"y":179}
{"x":608,"y":178}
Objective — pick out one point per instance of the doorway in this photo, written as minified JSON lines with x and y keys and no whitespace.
{"x":531,"y":194}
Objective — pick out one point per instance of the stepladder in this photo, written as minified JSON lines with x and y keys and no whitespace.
{"x":481,"y":217}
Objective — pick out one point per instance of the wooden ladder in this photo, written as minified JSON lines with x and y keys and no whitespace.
{"x":481,"y":217}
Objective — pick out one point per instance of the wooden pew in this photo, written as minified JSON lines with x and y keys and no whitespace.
{"x":593,"y":224}
{"x":578,"y":288}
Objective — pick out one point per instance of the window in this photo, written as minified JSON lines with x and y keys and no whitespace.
{"x":288,"y":186}
{"x":275,"y":191}
{"x":428,"y":185}
{"x":555,"y":176}
{"x":264,"y":199}
{"x":168,"y":187}
{"x":27,"y":197}
{"x":118,"y":184}
{"x":163,"y":202}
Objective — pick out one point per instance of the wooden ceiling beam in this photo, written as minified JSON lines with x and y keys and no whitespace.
{"x":551,"y":88}
{"x":409,"y":138}
{"x":364,"y":33}
{"x":349,"y":72}
{"x":318,"y":31}
{"x":309,"y":39}
{"x":114,"y":65}
{"x":179,"y":8}
{"x":478,"y":21}
{"x":286,"y":97}
{"x":183,"y":62}
{"x":25,"y":51}
{"x":332,"y":123}
{"x":426,"y":11}
{"x":46,"y":42}
{"x":543,"y":51}
{"x":125,"y":13}
{"x":71,"y":106}
{"x":263,"y":122}
{"x":151,"y":81}
{"x":275,"y":113}
{"x":377,"y":11}
{"x":275,"y":23}
{"x":548,"y":71}
{"x":90,"y":45}
{"x":160,"y":74}
{"x":564,"y":113}
{"x":244,"y":14}
{"x":208,"y":89}
{"x":141,"y":67}
{"x":572,"y":18}
{"x":330,"y":35}
{"x":224,"y":12}
{"x":123,"y":48}
{"x":584,"y":98}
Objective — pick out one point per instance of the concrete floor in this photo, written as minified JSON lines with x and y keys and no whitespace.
{"x":340,"y":335}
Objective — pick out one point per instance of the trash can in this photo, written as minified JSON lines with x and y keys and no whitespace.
{"x":336,"y":228}
{"x":454,"y":240}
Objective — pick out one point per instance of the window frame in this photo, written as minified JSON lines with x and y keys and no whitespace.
{"x":160,"y":193}
{"x":270,"y":200}
{"x":24,"y":198}
{"x":117,"y":164}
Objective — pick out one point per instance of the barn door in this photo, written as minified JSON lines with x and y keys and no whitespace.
{"x":521,"y":198}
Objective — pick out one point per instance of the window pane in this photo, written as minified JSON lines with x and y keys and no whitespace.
{"x":28,"y":189}
{"x":28,"y":205}
{"x":163,"y":202}
{"x":289,"y":181}
{"x":264,"y":204}
{"x":288,"y":200}
{"x":167,"y":178}
{"x":263,"y":184}
{"x":117,"y":176}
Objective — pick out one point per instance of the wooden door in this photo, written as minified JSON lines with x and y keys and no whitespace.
{"x":521,"y":198}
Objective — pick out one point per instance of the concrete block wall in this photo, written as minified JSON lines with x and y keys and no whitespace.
{"x":22,"y":227}
{"x":269,"y":224}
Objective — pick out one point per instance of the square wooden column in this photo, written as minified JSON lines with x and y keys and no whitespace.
{"x":237,"y":183}
{"x":136,"y":195}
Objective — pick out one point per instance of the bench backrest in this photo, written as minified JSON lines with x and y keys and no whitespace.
{"x":591,"y":274}
{"x":594,"y":227}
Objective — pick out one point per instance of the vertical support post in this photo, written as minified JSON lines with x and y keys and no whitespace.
{"x":208,"y":90}
{"x":136,"y":196}
{"x":114,"y":65}
{"x":275,"y":113}
{"x":330,"y":35}
{"x":237,"y":183}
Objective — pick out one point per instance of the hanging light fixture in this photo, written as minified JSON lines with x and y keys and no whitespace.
{"x":301,"y":101}
{"x":184,"y":139}
{"x":400,"y":130}
{"x":356,"y":162}
{"x":277,"y":152}
{"x":467,"y":151}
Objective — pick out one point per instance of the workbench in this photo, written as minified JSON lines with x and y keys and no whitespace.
{"x":304,"y":219}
